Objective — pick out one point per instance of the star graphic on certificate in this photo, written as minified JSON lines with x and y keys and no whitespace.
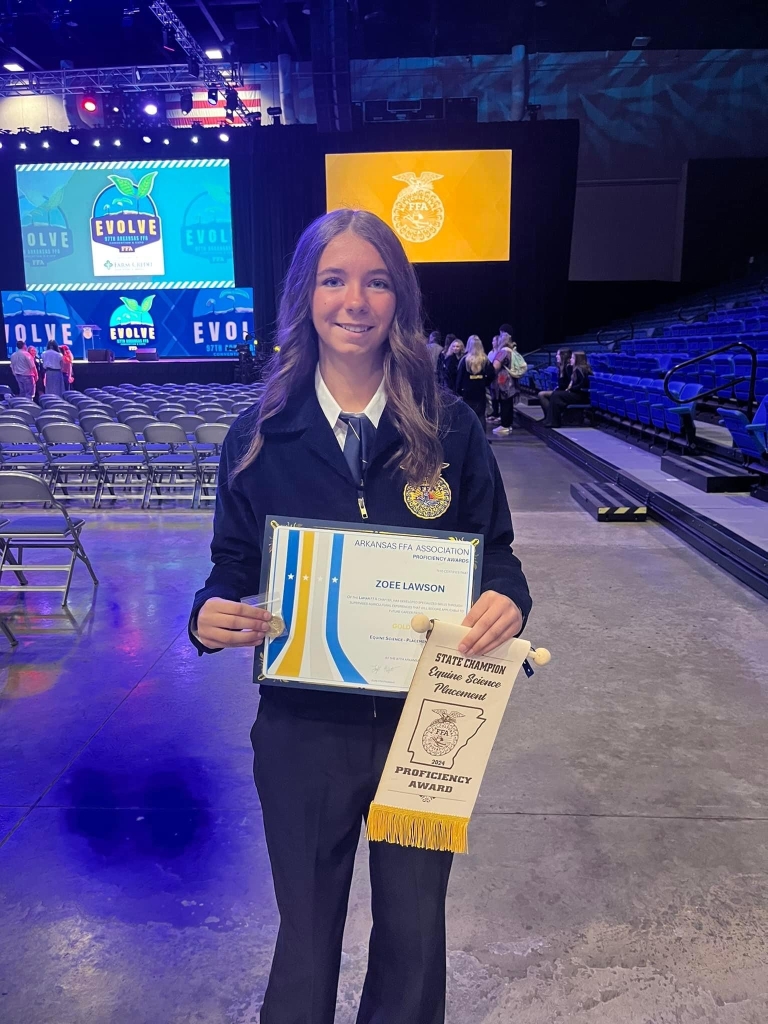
{"x":290,"y":576}
{"x":335,"y":579}
{"x":305,"y":577}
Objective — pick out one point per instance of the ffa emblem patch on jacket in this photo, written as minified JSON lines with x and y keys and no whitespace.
{"x":428,"y":501}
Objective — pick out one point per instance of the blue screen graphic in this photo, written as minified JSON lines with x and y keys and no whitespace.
{"x":130,"y":224}
{"x":201,"y":323}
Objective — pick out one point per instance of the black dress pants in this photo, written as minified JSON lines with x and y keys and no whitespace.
{"x":559,"y":403}
{"x":478,"y":408}
{"x":316,"y":777}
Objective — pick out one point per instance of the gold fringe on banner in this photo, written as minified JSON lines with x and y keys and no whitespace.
{"x":417,"y":828}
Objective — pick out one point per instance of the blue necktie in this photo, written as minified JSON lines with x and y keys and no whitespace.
{"x":358,"y":444}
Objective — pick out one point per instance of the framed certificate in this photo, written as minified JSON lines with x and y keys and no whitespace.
{"x":347,"y":595}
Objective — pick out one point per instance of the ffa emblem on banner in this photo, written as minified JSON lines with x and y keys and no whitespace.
{"x":418,"y":213}
{"x":442,"y":730}
{"x":428,"y":501}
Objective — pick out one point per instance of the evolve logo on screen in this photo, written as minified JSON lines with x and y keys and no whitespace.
{"x":131,"y":324}
{"x":126,"y":229}
{"x":44,"y":227}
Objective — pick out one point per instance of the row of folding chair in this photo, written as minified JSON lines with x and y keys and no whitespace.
{"x":164,"y":464}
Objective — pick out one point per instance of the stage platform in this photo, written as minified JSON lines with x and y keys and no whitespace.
{"x":133,"y":371}
{"x":730,"y":529}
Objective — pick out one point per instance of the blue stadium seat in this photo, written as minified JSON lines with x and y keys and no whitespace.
{"x":750,"y":438}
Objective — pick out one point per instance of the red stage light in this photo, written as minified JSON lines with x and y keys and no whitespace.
{"x":89,"y":105}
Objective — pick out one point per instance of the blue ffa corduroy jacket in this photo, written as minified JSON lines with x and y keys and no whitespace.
{"x":301,"y":473}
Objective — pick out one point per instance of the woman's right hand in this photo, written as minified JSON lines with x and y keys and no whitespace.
{"x":223,"y":623}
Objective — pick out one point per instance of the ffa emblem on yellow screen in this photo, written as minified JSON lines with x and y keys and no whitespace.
{"x":428,"y":502}
{"x":418,"y":213}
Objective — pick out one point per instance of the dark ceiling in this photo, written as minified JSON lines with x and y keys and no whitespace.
{"x":96,"y":33}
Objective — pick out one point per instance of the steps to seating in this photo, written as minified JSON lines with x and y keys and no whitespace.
{"x":710,"y":475}
{"x":609,"y":504}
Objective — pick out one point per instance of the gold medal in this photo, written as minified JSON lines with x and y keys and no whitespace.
{"x":428,"y":501}
{"x":275,"y":627}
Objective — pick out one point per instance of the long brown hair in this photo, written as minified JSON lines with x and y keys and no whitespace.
{"x":413,"y":399}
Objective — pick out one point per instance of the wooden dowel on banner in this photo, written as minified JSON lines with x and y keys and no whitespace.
{"x":538,"y":655}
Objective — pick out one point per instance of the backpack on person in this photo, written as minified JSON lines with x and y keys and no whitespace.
{"x":512,"y":367}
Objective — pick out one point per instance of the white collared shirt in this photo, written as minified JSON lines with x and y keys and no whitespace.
{"x":331,"y":407}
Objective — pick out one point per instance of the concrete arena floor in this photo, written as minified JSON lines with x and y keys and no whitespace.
{"x":618,"y":871}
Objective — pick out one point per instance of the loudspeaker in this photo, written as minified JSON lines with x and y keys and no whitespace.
{"x":147,"y":355}
{"x":100,"y":355}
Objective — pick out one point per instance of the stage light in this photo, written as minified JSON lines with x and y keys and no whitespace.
{"x":193,"y":66}
{"x":231,"y":102}
{"x":74,"y":142}
{"x":116,"y":142}
{"x":145,"y":138}
{"x":90,"y":105}
{"x":22,"y":145}
{"x":186,"y":101}
{"x":46,"y":145}
{"x":166,"y":142}
{"x":13,"y":66}
{"x":195,"y":139}
{"x":150,"y":108}
{"x":96,"y":143}
{"x":224,"y":137}
{"x":213,"y":95}
{"x":214,"y":54}
{"x":275,"y":113}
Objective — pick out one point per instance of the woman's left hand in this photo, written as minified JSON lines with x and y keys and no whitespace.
{"x":494,"y":618}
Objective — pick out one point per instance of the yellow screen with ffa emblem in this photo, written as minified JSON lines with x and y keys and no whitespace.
{"x":446,"y":206}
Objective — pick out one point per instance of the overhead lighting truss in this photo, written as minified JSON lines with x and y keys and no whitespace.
{"x":92,"y":81}
{"x":210,"y":71}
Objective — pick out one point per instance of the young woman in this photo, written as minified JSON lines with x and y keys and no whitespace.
{"x":351,"y":342}
{"x":474,"y":376}
{"x":452,"y":359}
{"x":66,"y":366}
{"x":577,"y":392}
{"x":564,"y":370}
{"x":52,"y":364}
{"x":37,"y":368}
{"x":505,"y":386}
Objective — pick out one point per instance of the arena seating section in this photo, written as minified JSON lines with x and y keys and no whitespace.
{"x":627,"y":387}
{"x":128,"y":445}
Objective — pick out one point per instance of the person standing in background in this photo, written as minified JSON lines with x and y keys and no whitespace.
{"x":38,"y":374}
{"x":52,"y":364}
{"x":452,"y":359}
{"x":435,"y":348}
{"x":23,"y":369}
{"x":66,"y":366}
{"x":509,"y":365}
{"x":474,"y":376}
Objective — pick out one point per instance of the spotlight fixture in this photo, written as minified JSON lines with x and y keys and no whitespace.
{"x":169,"y":41}
{"x":213,"y":95}
{"x":195,"y":139}
{"x":90,"y":105}
{"x":151,"y":108}
{"x":186,"y":101}
{"x":275,"y":113}
{"x":214,"y":53}
{"x":223,"y":136}
{"x":96,"y":143}
{"x":22,"y":145}
{"x":46,"y":144}
{"x":13,"y":66}
{"x":116,"y":142}
{"x":166,"y":142}
{"x":74,"y":142}
{"x":145,"y":138}
{"x":231,"y":103}
{"x":256,"y":117}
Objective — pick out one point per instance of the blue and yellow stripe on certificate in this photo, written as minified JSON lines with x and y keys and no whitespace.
{"x":310,"y":574}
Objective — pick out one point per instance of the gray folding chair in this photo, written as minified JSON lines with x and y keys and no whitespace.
{"x":209,"y":438}
{"x":210,"y":413}
{"x":166,"y":414}
{"x":21,"y":450}
{"x":189,"y":424}
{"x":73,"y":466}
{"x":38,"y":530}
{"x":172,"y":465}
{"x":122,"y":463}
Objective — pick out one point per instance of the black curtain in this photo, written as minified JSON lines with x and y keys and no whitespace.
{"x":278,"y":187}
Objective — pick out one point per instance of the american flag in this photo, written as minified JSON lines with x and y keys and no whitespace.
{"x":206,"y":114}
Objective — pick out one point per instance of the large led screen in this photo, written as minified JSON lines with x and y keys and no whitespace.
{"x":126,"y":224}
{"x":447,"y":206}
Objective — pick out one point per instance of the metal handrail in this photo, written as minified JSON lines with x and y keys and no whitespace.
{"x":619,"y":337}
{"x":703,"y":315}
{"x":736,"y":380}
